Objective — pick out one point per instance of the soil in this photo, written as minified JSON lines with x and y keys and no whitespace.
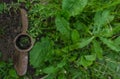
{"x":10,"y":26}
{"x":8,"y":1}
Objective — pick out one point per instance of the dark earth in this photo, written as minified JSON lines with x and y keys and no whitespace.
{"x":10,"y":26}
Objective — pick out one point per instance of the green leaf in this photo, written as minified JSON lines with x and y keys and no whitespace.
{"x":110,"y":44}
{"x":116,"y":29}
{"x":76,"y":75}
{"x":75,"y":36}
{"x":80,"y":26}
{"x":40,"y":51}
{"x":13,"y":73}
{"x":97,"y":49}
{"x":90,"y":57}
{"x":78,"y":45}
{"x":62,"y":26}
{"x":74,"y":7}
{"x":102,"y":17}
{"x":2,"y":64}
{"x":1,"y":7}
{"x":107,"y":32}
{"x":49,"y":70}
{"x":85,"y":42}
{"x":117,"y":40}
{"x":62,"y":76}
{"x":85,"y":62}
{"x":61,"y":64}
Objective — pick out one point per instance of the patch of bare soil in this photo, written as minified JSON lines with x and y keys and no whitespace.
{"x":10,"y":26}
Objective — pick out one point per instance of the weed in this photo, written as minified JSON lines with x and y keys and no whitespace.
{"x":78,"y":39}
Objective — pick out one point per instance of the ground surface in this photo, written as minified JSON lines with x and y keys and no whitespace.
{"x":10,"y":27}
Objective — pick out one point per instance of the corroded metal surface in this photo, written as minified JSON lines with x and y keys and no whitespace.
{"x":21,"y":55}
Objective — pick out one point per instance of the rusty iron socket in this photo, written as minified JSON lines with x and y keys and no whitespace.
{"x":21,"y":55}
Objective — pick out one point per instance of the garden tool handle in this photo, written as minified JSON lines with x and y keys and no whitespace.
{"x":24,"y":20}
{"x":22,"y":62}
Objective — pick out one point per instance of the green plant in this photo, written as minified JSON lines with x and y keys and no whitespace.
{"x":6,"y":70}
{"x":2,"y":7}
{"x":6,"y":8}
{"x":77,"y":38}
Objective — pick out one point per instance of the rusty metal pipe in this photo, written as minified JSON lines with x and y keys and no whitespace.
{"x":21,"y":54}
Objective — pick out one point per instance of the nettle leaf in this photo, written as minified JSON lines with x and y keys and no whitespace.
{"x":75,"y":36}
{"x":74,"y":7}
{"x":110,"y":44}
{"x":86,"y":42}
{"x":40,"y":51}
{"x":97,"y":49}
{"x":62,"y":26}
{"x":102,"y":17}
{"x":78,"y":45}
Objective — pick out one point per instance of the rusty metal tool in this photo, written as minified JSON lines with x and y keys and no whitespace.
{"x":21,"y":53}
